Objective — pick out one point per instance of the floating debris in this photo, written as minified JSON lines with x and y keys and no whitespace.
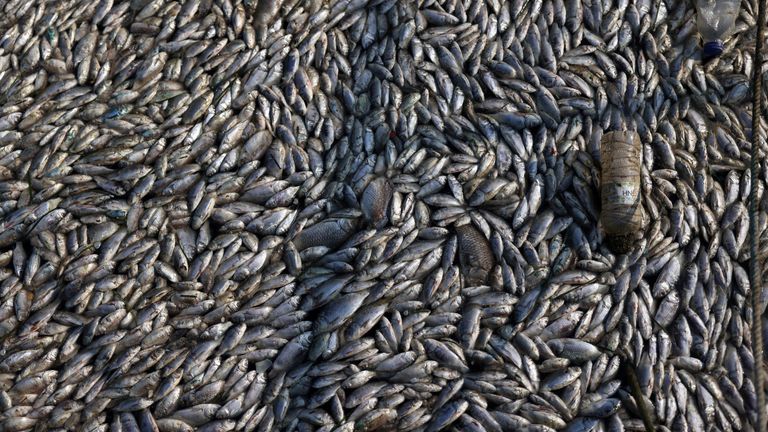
{"x":621,"y":214}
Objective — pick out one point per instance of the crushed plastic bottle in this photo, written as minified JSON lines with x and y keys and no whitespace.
{"x":716,"y":19}
{"x":622,"y":215}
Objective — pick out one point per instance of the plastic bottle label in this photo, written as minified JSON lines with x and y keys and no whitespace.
{"x":623,"y":193}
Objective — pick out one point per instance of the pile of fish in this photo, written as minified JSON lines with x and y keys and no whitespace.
{"x":375,"y":215}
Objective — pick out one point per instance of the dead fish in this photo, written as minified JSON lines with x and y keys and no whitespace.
{"x":475,"y":255}
{"x":375,"y":201}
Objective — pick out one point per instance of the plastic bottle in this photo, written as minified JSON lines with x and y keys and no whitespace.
{"x":715,"y":20}
{"x":622,"y":215}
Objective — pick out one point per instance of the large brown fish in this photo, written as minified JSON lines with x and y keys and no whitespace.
{"x":375,"y":201}
{"x":330,"y":233}
{"x":475,"y":255}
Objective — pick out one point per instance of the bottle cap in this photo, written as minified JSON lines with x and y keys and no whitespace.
{"x":711,"y":50}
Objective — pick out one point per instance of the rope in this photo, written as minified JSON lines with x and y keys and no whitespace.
{"x":754,"y":268}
